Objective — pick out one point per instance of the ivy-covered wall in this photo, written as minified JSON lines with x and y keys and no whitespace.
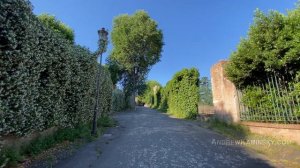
{"x":181,"y":94}
{"x":45,"y":80}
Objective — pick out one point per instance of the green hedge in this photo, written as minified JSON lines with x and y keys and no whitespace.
{"x":182,"y":94}
{"x":163,"y":103}
{"x":151,"y":95}
{"x":106,"y":92}
{"x":45,"y":80}
{"x":118,"y":100}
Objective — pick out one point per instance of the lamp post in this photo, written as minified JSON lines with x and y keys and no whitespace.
{"x":102,"y":46}
{"x":136,"y":90}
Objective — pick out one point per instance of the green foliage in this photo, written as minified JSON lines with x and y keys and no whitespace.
{"x":57,"y":26}
{"x":254,"y":95}
{"x":151,"y":95}
{"x":45,"y":80}
{"x":272,"y":102}
{"x":180,"y":97}
{"x":271,"y":47}
{"x":137,"y":45}
{"x":265,"y":67}
{"x":294,"y":95}
{"x":118,"y":100}
{"x":115,"y":71}
{"x":205,"y":92}
{"x":3,"y":159}
{"x":256,"y":99}
{"x":270,"y":51}
{"x":183,"y":93}
{"x":106,"y":121}
{"x":11,"y":156}
{"x":136,"y":40}
{"x":14,"y":155}
{"x":163,"y":104}
{"x":106,"y":89}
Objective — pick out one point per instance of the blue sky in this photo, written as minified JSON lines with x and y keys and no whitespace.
{"x":197,"y":33}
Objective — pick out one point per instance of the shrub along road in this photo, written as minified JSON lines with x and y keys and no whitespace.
{"x":147,"y":138}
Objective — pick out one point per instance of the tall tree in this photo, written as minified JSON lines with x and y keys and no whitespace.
{"x":271,"y":47}
{"x":57,"y":26}
{"x":137,"y":45}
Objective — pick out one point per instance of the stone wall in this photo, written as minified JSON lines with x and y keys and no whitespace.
{"x":225,"y":98}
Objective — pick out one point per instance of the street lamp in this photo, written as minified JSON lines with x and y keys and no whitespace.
{"x":103,"y":41}
{"x":102,"y":46}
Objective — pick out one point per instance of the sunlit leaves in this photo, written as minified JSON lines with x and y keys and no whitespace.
{"x":137,"y":43}
{"x":45,"y":80}
{"x":272,"y":47}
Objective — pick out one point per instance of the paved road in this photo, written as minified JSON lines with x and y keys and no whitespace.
{"x":149,"y":139}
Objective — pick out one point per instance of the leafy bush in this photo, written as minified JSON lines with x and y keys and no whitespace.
{"x":45,"y":80}
{"x":57,"y":26}
{"x":182,"y":93}
{"x":271,"y":50}
{"x":259,"y":103}
{"x":106,"y":121}
{"x":118,"y":100}
{"x":271,"y":47}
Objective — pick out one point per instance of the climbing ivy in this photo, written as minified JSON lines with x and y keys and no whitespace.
{"x":182,"y":94}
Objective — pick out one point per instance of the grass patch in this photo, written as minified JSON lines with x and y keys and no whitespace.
{"x":12,"y":156}
{"x":235,"y":131}
{"x":68,"y":134}
{"x":106,"y":121}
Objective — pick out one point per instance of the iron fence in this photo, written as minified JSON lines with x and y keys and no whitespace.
{"x":275,"y":101}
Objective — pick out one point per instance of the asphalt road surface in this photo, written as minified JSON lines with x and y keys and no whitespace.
{"x":146,"y":138}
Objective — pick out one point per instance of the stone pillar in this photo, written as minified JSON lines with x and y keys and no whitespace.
{"x":225,"y":97}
